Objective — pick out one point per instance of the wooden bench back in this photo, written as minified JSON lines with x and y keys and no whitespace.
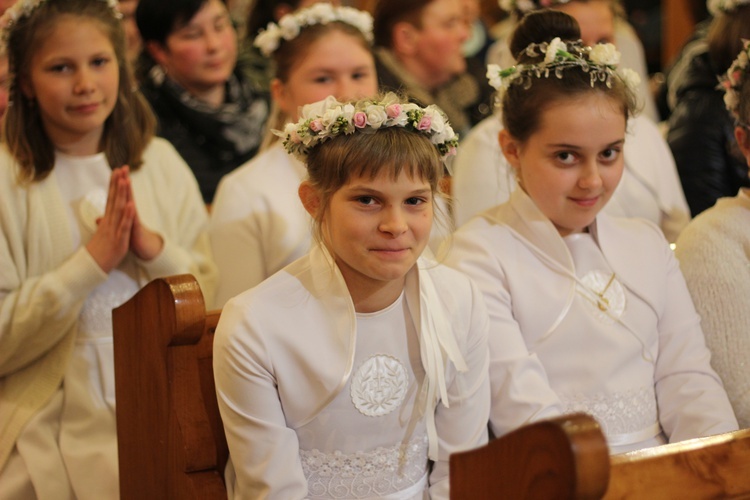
{"x":171,"y":438}
{"x":562,"y":458}
{"x":710,"y":467}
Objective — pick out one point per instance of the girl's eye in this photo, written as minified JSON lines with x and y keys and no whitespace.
{"x":100,"y":61}
{"x":322,"y":79}
{"x":566,"y":157}
{"x":359,"y":75}
{"x":191,"y":34}
{"x":60,"y":68}
{"x":366,"y":200}
{"x":610,"y":154}
{"x":221,"y":24}
{"x":415,"y":200}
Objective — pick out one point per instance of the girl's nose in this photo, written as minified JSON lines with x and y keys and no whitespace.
{"x":590,"y":177}
{"x":393,"y":222}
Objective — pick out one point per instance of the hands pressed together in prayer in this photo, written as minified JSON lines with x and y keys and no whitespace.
{"x":120,"y":230}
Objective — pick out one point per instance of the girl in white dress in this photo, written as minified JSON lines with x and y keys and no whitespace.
{"x":600,"y":300}
{"x":713,"y":254}
{"x":650,"y":186}
{"x":258,"y":225}
{"x":346,"y":373}
{"x":84,"y":222}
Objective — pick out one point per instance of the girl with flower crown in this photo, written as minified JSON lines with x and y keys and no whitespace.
{"x":345,"y":374}
{"x":599,"y":300}
{"x":257,"y":222}
{"x":650,"y":187}
{"x":713,"y":256}
{"x":84,"y":222}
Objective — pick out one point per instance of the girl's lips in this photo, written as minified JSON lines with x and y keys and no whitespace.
{"x":585,"y":202}
{"x":86,"y":108}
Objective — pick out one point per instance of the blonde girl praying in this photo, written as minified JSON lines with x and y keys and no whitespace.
{"x":84,"y":222}
{"x":599,"y":300}
{"x":257,"y":222}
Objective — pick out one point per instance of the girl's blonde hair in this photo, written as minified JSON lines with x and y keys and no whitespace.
{"x":127,"y":130}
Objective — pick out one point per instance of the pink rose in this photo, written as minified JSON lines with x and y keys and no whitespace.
{"x":425,"y":123}
{"x":736,"y":76}
{"x":393,"y":110}
{"x":316,"y":125}
{"x":360,"y":119}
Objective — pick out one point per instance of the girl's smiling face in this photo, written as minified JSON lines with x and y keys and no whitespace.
{"x":74,"y":79}
{"x":573,"y":162}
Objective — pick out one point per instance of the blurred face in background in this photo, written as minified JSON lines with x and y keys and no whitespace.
{"x":132,"y":35}
{"x":201,"y":54}
{"x":438,"y":43}
{"x":336,"y":64}
{"x":596,"y":19}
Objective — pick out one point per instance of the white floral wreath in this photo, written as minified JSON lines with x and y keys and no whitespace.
{"x":24,"y":8}
{"x":717,"y":6}
{"x":599,"y":61}
{"x":290,"y":25}
{"x":731,"y":82}
{"x":324,"y":120}
{"x":528,"y":5}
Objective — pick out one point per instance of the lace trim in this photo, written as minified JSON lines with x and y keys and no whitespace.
{"x":619,"y":412}
{"x":383,"y":471}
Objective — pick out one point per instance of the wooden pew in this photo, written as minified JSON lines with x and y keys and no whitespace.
{"x":710,"y":467}
{"x":562,"y":458}
{"x":171,"y":439}
{"x":172,"y":443}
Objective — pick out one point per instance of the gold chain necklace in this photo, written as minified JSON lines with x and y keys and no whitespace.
{"x":602,"y":301}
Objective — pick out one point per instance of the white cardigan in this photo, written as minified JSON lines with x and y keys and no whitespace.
{"x":525,"y":270}
{"x":285,"y":349}
{"x":258,"y":224}
{"x":650,"y":187}
{"x":713,"y":253}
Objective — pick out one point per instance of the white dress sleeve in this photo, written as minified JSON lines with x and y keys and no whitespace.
{"x":264,"y":451}
{"x":520,"y":390}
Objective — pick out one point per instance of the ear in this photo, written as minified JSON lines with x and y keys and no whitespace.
{"x":281,"y":97}
{"x":404,"y":38}
{"x":511,"y":148}
{"x":310,"y":198}
{"x":157,"y":52}
{"x":743,"y":141}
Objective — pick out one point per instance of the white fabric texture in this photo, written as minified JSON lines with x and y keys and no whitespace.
{"x":286,"y":350}
{"x":531,"y":286}
{"x":258,"y":224}
{"x":55,"y":309}
{"x":650,"y":187}
{"x":713,"y":253}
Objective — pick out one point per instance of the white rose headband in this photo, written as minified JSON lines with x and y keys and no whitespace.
{"x":731,"y":82}
{"x":599,"y":61}
{"x":324,"y":120}
{"x":717,"y":6}
{"x":24,"y":8}
{"x":291,"y":24}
